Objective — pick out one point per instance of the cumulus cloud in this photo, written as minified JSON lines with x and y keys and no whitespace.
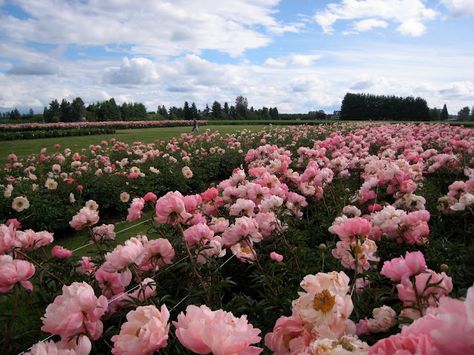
{"x":460,"y":7}
{"x":33,"y":69}
{"x":152,"y":27}
{"x":369,"y":24}
{"x":410,"y":15}
{"x":131,"y":72}
{"x":304,"y":60}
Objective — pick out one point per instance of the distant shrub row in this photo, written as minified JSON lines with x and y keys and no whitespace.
{"x":10,"y":136}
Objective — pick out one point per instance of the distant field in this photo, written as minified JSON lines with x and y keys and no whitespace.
{"x":147,"y":135}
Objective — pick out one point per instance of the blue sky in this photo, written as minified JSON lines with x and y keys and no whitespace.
{"x":297,"y":55}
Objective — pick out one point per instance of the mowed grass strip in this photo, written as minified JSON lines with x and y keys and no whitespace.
{"x":25,"y":147}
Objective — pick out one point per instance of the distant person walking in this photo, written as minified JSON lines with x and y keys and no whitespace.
{"x":195,"y":126}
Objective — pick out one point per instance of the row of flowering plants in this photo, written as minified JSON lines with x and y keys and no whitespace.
{"x":53,"y":133}
{"x":102,"y":124}
{"x":321,"y":242}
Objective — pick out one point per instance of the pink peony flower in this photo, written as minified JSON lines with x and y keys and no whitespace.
{"x":14,"y":271}
{"x":135,"y":210}
{"x":242,"y":207}
{"x":351,"y":228}
{"x":171,"y":209}
{"x":276,"y":257}
{"x":204,"y":331}
{"x":145,"y":331}
{"x":80,"y":345}
{"x":7,"y":238}
{"x":84,"y":218}
{"x":76,"y":311}
{"x":103,"y":232}
{"x":325,"y":304}
{"x":86,"y":265}
{"x":60,"y":252}
{"x":123,"y":256}
{"x":150,"y":197}
{"x":14,"y":222}
{"x":158,"y":253}
{"x":209,"y":194}
{"x":244,"y":227}
{"x":29,"y":240}
{"x":401,"y":268}
{"x":197,"y":234}
{"x":112,"y":283}
{"x":289,"y":336}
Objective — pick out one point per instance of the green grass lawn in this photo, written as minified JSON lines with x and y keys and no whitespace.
{"x":29,"y":146}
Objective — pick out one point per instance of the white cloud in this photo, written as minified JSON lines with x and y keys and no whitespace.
{"x":150,"y":27}
{"x":133,"y":71}
{"x":368,"y":14}
{"x":369,"y":24}
{"x":304,"y":60}
{"x":460,"y":7}
{"x":275,"y":63}
{"x":33,"y":69}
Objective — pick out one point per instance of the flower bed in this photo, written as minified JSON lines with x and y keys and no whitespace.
{"x":372,"y":225}
{"x":89,"y":125}
{"x":50,"y":133}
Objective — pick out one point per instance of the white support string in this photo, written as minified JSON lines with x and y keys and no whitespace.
{"x":120,"y":231}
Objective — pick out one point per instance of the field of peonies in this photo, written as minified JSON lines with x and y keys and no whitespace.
{"x":329,"y":239}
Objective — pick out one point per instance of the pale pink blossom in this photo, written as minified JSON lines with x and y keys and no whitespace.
{"x":84,"y":218}
{"x":13,"y":271}
{"x":103,"y":232}
{"x":158,"y":253}
{"x":150,"y":197}
{"x":136,"y":209}
{"x":243,"y":228}
{"x":352,"y":228}
{"x":77,"y":310}
{"x":171,"y":209}
{"x":60,"y":252}
{"x":276,"y":257}
{"x":403,"y":267}
{"x":80,"y":345}
{"x":29,"y":240}
{"x":197,"y":234}
{"x":325,"y":304}
{"x":242,"y":207}
{"x":7,"y":238}
{"x":145,"y":331}
{"x":86,"y":265}
{"x":112,"y":283}
{"x":221,"y":333}
{"x":289,"y":336}
{"x":123,"y":256}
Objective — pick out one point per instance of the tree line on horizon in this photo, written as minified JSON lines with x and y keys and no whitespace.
{"x":354,"y":107}
{"x":395,"y":108}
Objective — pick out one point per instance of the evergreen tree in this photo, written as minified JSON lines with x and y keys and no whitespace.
{"x":444,"y":113}
{"x":241,"y":106}
{"x":216,"y":110}
{"x":273,"y":113}
{"x":463,"y":114}
{"x":206,"y":111}
{"x":78,"y":110}
{"x":226,"y":110}
{"x":65,"y":111}
{"x":194,"y":111}
{"x":187,"y":111}
{"x":54,"y":111}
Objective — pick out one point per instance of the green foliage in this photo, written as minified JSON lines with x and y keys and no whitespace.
{"x":383,"y":108}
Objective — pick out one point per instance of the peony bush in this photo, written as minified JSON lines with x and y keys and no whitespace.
{"x":308,"y":240}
